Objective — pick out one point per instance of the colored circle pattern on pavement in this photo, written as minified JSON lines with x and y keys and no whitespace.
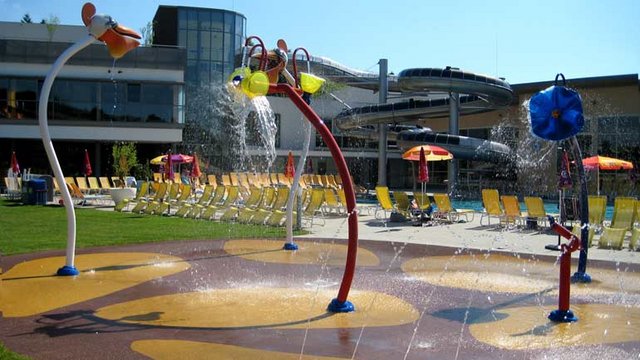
{"x":194,"y":350}
{"x":511,"y":274}
{"x":308,"y":252}
{"x":527,"y":328}
{"x":100,"y":274}
{"x":292,"y":308}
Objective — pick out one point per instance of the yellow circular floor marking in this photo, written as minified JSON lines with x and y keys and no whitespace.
{"x":32,"y":287}
{"x":308,"y":252}
{"x":194,"y":350}
{"x":528,"y":328}
{"x":262,"y":307}
{"x":501,"y":273}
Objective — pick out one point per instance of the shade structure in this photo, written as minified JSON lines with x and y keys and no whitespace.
{"x":290,"y":169}
{"x":195,"y":168}
{"x":598,"y":163}
{"x":556,"y":113}
{"x":606,"y":163}
{"x":15,"y":167}
{"x":423,"y":170}
{"x":175,"y":158}
{"x":168,"y":168}
{"x":87,"y":164}
{"x":431,"y":152}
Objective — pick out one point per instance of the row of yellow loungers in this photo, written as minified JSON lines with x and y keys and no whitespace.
{"x":248,"y":179}
{"x":260,"y":205}
{"x":612,"y":235}
{"x":402,"y":204}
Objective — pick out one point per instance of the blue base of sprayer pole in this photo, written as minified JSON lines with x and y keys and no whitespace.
{"x":337,"y":306}
{"x":562,"y":316}
{"x":290,"y":246}
{"x":68,"y":271}
{"x":580,"y":277}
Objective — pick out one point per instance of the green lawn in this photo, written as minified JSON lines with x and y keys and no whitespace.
{"x":6,"y":354}
{"x":28,"y":229}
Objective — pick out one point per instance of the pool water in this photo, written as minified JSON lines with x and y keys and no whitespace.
{"x":550,"y":208}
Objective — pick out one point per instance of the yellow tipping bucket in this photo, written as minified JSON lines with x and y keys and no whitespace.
{"x":239,"y":73}
{"x":256,"y":84}
{"x":310,"y":83}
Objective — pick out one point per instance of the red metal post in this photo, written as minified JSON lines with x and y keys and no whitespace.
{"x":341,"y":164}
{"x":564,"y":314}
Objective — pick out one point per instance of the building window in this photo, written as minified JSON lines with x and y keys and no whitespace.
{"x":133,"y":93}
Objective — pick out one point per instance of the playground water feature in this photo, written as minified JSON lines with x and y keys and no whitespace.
{"x":430,"y":299}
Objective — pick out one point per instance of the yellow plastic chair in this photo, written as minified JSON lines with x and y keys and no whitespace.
{"x":141,"y":195}
{"x":385,"y":205}
{"x":211,"y":179}
{"x":403,"y":205}
{"x":277,"y":218}
{"x":253,"y":199}
{"x":104,"y":183}
{"x":577,"y":231}
{"x":81,"y":182}
{"x":443,"y":204}
{"x":491,"y":203}
{"x":512,"y":213}
{"x":612,"y":238}
{"x":422,"y":200}
{"x":94,"y":186}
{"x":218,"y":195}
{"x":313,"y":211}
{"x":282,"y":195}
{"x":245,"y":215}
{"x":624,"y":212}
{"x":535,"y":209}
{"x":597,"y":209}
{"x":260,"y":217}
{"x":331,"y":203}
{"x":229,"y":214}
{"x":159,"y":196}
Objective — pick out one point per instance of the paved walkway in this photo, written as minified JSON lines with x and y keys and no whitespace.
{"x":469,"y":234}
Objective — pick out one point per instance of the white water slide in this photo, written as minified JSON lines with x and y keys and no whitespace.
{"x":478,"y":93}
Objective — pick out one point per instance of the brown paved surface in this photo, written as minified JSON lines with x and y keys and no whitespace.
{"x":452,"y":319}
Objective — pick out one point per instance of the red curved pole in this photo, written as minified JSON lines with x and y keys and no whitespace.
{"x":341,"y":164}
{"x":295,"y":66}
{"x":263,"y":59}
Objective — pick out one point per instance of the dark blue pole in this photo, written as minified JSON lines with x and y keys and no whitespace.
{"x":581,"y":274}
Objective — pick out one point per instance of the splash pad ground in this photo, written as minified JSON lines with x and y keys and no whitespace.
{"x":247,"y":299}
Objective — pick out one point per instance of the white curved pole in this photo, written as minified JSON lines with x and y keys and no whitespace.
{"x":48,"y":145}
{"x":296,"y":180}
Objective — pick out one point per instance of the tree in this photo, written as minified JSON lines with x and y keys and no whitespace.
{"x":147,"y":34}
{"x":26,"y":19}
{"x":52,"y":25}
{"x":125,"y":158}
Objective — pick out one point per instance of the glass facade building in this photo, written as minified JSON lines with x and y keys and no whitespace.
{"x":211,"y":38}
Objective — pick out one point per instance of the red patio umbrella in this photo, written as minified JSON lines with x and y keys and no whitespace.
{"x":87,"y":164}
{"x":423,"y":171}
{"x":168,"y":168}
{"x":290,"y":170}
{"x":431,"y":152}
{"x":195,"y":168}
{"x":605,"y":163}
{"x":15,"y":167}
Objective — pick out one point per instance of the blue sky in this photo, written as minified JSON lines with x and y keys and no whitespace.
{"x":521,"y":41}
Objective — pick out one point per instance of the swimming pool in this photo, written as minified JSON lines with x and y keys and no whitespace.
{"x":551,"y":208}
